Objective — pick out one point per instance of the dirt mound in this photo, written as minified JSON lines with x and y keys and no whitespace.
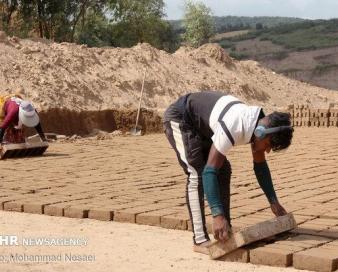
{"x":71,"y":77}
{"x":213,"y":51}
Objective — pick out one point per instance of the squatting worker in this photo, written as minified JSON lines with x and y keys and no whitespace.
{"x":18,"y":112}
{"x":202,"y":127}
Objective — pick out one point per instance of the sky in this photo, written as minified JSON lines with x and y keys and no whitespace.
{"x":307,"y":9}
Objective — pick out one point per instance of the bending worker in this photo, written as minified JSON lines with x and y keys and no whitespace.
{"x":18,"y":112}
{"x":202,"y":127}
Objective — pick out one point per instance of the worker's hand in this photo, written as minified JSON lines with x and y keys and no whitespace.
{"x":278,"y":209}
{"x":221,"y":228}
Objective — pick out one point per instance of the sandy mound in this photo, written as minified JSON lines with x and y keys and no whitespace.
{"x":73,"y":77}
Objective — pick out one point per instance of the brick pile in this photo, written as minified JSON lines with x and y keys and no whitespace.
{"x":304,"y":116}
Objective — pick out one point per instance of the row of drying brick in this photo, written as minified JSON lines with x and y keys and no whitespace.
{"x":314,"y":253}
{"x":172,"y":204}
{"x":313,"y":245}
{"x":281,"y":253}
{"x":147,"y":214}
{"x":162,"y":214}
{"x":303,"y":115}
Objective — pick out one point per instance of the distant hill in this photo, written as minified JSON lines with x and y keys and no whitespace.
{"x":231,"y":23}
{"x":306,"y":50}
{"x":227,"y":23}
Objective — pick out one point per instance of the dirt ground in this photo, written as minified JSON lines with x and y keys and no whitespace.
{"x":116,"y":247}
{"x":138,"y":180}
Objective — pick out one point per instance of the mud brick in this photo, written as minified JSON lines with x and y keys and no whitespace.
{"x":334,"y":113}
{"x":323,"y":113}
{"x":240,"y":255}
{"x":13,"y":206}
{"x":324,"y":122}
{"x":152,"y":218}
{"x":313,"y":113}
{"x":300,"y":219}
{"x":129,"y":215}
{"x":36,"y":208}
{"x":271,"y":256}
{"x":332,"y":245}
{"x":310,"y":240}
{"x":314,"y":122}
{"x":324,"y":222}
{"x":330,"y":215}
{"x":333,"y":122}
{"x":316,"y":259}
{"x":23,"y":150}
{"x":103,"y":214}
{"x":252,"y":234}
{"x":306,"y":112}
{"x":309,"y":228}
{"x":56,"y":209}
{"x":5,"y":199}
{"x":291,"y":247}
{"x":297,"y":112}
{"x":77,"y":211}
{"x":333,"y":119}
{"x":238,"y":224}
{"x":175,"y":221}
{"x":331,"y":232}
{"x":309,"y":212}
{"x":305,"y":117}
{"x":297,"y":122}
{"x":319,"y":118}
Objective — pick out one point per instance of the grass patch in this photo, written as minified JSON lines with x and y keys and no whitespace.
{"x":308,"y":35}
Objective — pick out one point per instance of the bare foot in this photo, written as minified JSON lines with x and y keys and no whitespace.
{"x":202,"y":248}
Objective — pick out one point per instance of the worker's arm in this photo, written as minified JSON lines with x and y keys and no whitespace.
{"x":264,"y":179}
{"x":40,"y":132}
{"x":212,"y":192}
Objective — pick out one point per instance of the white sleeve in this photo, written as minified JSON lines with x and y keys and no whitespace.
{"x":221,"y":140}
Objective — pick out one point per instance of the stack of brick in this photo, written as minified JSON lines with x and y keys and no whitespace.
{"x":304,"y":116}
{"x":313,"y":119}
{"x":323,"y":117}
{"x":297,"y":115}
{"x":323,"y":258}
{"x":333,"y":120}
{"x":319,"y":117}
{"x":305,"y":121}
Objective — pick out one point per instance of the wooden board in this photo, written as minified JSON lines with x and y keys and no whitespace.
{"x":252,"y":234}
{"x":23,"y":150}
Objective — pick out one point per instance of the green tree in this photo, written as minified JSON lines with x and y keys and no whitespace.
{"x":198,"y":22}
{"x":137,"y":21}
{"x":121,"y":23}
{"x":94,"y":30}
{"x":50,"y":19}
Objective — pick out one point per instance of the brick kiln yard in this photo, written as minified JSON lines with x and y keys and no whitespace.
{"x":137,"y":180}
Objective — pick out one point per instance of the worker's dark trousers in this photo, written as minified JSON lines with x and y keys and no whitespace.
{"x":192,"y":152}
